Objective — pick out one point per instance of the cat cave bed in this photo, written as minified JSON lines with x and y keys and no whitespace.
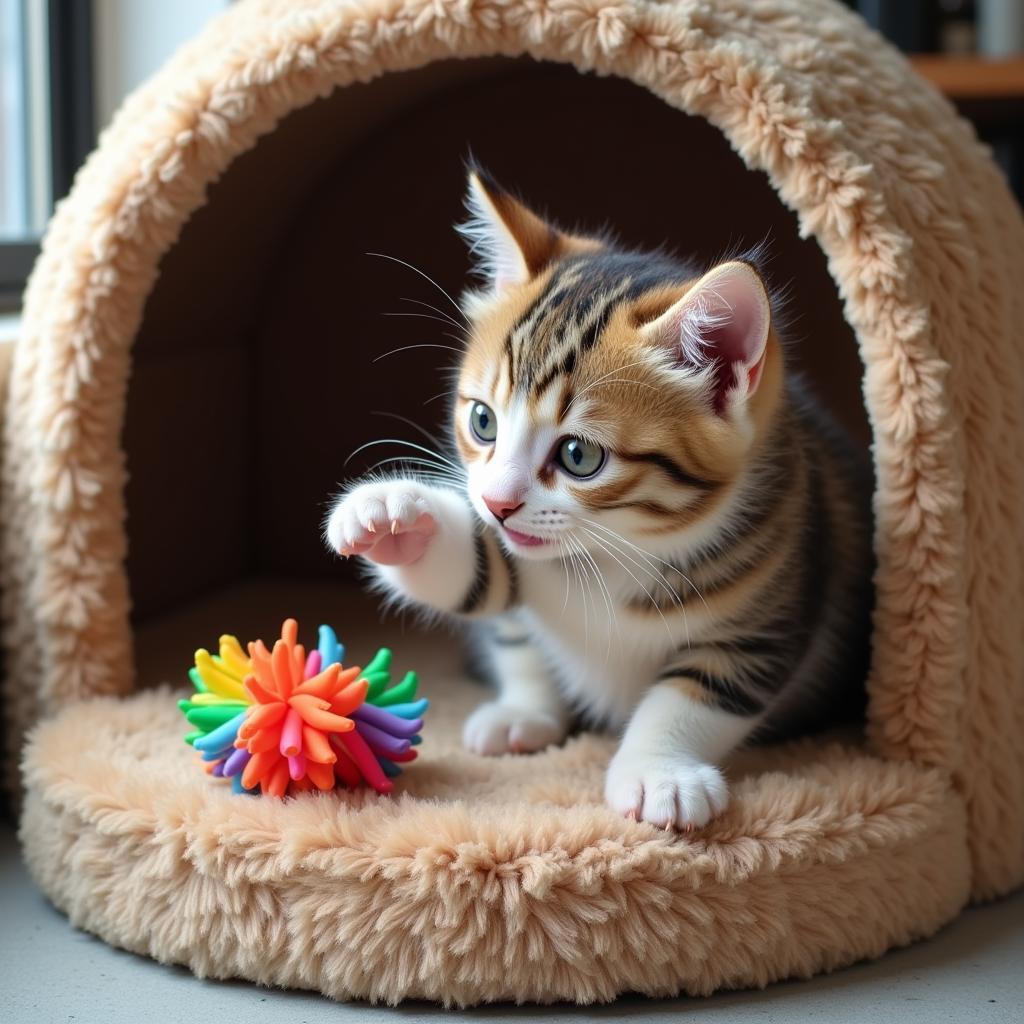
{"x":197,"y":331}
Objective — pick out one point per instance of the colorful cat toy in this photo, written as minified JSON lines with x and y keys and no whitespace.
{"x":284,"y":721}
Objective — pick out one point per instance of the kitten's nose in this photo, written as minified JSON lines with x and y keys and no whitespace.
{"x":502,"y":508}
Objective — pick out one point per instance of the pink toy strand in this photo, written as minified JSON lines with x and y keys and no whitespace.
{"x":291,"y":734}
{"x":313,"y":665}
{"x":367,"y":764}
{"x":296,"y":767}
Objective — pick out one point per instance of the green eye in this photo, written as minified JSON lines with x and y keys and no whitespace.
{"x":580,"y":458}
{"x":483,"y":423}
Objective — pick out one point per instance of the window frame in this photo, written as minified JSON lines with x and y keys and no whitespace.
{"x":72,"y":126}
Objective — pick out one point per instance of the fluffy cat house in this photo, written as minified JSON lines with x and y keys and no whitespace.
{"x":177,"y":416}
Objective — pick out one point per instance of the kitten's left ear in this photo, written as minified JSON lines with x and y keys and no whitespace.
{"x":723,"y":320}
{"x":508,"y":241}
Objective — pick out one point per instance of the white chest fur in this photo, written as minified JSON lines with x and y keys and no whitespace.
{"x":604,"y":655}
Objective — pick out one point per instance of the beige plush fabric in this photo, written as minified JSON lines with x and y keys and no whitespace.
{"x":503,"y":879}
{"x":926,"y":247}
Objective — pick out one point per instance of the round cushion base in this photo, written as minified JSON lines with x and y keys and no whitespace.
{"x":484,"y":879}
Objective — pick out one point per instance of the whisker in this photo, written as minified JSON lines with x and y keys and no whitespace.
{"x":440,"y":394}
{"x":436,"y":309}
{"x":410,"y":423}
{"x":428,"y":316}
{"x":606,"y":595}
{"x":584,"y":589}
{"x":407,"y":348}
{"x":408,"y":444}
{"x":563,"y":552}
{"x":650,"y":555}
{"x":597,"y":540}
{"x":425,"y":276}
{"x":437,"y":471}
{"x":656,"y":575}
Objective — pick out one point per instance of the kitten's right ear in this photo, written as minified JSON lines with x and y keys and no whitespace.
{"x":509,"y":243}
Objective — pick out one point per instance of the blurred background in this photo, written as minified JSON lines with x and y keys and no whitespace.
{"x":65,"y":66}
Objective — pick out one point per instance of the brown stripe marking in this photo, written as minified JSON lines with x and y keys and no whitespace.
{"x":671,"y":468}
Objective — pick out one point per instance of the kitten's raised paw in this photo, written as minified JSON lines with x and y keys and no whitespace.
{"x":390,"y":522}
{"x":498,"y":728}
{"x":669,"y":792}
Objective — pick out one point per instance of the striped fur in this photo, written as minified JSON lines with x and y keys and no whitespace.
{"x":709,"y":583}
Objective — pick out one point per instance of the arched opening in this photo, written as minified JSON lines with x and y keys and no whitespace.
{"x":254,"y":373}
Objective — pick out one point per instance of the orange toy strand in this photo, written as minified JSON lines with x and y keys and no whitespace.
{"x":321,"y":775}
{"x":350,"y":698}
{"x":316,"y":747}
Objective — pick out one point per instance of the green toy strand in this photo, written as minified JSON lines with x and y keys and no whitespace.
{"x":378,"y":681}
{"x":381,"y":662}
{"x":213,"y":716}
{"x":197,"y":681}
{"x":399,"y":694}
{"x":191,"y":737}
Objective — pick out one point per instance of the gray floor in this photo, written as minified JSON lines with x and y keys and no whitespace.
{"x":973,"y":971}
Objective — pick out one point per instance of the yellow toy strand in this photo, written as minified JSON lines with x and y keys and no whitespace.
{"x":217,"y":678}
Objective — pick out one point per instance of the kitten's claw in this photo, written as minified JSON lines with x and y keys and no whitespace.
{"x":671,"y":792}
{"x":389,"y":522}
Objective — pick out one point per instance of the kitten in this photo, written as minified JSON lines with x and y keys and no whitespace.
{"x":664,"y":533}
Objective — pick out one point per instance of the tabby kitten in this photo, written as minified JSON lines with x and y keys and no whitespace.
{"x":662,"y":532}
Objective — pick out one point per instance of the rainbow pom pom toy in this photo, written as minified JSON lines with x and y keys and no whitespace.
{"x":284,"y":721}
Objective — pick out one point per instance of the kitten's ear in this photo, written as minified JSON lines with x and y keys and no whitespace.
{"x":722,"y":321}
{"x":509,"y":242}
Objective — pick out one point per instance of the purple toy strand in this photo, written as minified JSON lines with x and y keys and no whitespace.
{"x":380,"y":741}
{"x":386,"y":721}
{"x":236,"y":762}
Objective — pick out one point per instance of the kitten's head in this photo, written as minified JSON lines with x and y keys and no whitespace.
{"x":604,"y":390}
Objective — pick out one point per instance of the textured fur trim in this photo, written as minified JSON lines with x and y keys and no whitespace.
{"x":484,"y":879}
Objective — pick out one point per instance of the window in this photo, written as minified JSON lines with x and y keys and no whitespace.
{"x":46,"y":122}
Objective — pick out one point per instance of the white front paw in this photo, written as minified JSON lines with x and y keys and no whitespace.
{"x":666,"y":790}
{"x":390,"y":522}
{"x":498,"y":728}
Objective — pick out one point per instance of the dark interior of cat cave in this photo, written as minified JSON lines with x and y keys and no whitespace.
{"x":257,"y":367}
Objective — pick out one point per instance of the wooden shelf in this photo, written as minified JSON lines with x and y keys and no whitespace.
{"x":970,"y":78}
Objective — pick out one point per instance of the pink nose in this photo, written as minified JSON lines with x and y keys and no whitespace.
{"x":502,"y":508}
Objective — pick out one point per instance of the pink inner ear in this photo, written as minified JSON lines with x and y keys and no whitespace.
{"x":729,"y":315}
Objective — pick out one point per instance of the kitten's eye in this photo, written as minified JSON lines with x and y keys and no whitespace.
{"x":483,"y":423}
{"x":580,"y":458}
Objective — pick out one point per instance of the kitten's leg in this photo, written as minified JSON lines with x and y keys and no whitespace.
{"x":665,"y":769}
{"x":423,"y":545}
{"x":529,"y":714}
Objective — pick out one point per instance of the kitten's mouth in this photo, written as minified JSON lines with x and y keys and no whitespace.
{"x":525,"y":539}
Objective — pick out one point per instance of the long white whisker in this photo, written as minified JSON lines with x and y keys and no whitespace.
{"x":408,"y":444}
{"x":426,"y":277}
{"x":647,"y":554}
{"x":433,"y":438}
{"x":436,"y":469}
{"x":597,"y":540}
{"x":608,"y":603}
{"x":436,"y":309}
{"x":584,"y":592}
{"x":430,"y":316}
{"x":563,"y":553}
{"x":655,"y":573}
{"x":441,"y":394}
{"x":408,"y":348}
